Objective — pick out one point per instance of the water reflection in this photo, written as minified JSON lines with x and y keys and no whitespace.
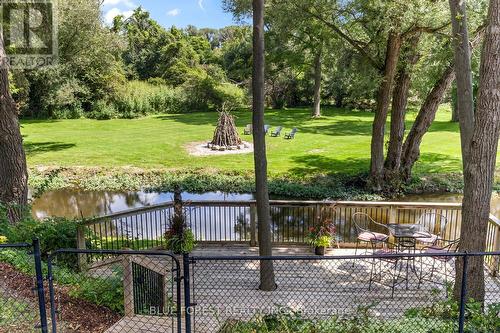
{"x":72,"y":203}
{"x":75,"y":203}
{"x":450,"y":197}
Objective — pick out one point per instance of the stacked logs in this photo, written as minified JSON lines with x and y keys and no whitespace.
{"x":226,"y":134}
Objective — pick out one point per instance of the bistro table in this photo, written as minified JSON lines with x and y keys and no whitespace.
{"x":406,"y":236}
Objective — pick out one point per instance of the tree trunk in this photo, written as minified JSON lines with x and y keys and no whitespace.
{"x":317,"y":84}
{"x":398,"y":111}
{"x":383,"y":99}
{"x":425,"y":117}
{"x":13,"y":169}
{"x":454,"y":105}
{"x":267,"y":281}
{"x":463,"y":70}
{"x":480,"y":163}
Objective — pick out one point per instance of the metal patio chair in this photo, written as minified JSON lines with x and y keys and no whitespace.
{"x":369,"y":231}
{"x":437,"y":259}
{"x":431,"y":223}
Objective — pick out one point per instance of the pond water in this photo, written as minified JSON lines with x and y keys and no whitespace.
{"x":75,"y":203}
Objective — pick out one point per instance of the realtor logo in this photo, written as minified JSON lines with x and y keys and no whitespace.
{"x":29,"y":31}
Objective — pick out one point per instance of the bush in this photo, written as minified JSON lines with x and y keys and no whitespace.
{"x":53,"y":233}
{"x":103,"y":111}
{"x":140,"y":98}
{"x":203,"y":93}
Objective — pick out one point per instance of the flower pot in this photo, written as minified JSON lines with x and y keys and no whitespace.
{"x":320,"y":250}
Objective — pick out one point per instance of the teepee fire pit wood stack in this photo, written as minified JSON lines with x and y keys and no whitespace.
{"x":226,"y":135}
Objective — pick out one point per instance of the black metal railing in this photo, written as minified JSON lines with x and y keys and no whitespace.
{"x":374,"y":293}
{"x":235,"y":222}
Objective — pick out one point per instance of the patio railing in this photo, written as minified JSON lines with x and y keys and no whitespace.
{"x":235,"y":222}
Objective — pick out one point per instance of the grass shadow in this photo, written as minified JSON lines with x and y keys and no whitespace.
{"x":33,"y":148}
{"x":315,"y":163}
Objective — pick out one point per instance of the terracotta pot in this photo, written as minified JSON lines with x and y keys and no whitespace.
{"x":319,"y":250}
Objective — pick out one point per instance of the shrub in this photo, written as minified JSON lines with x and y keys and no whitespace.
{"x":138,"y":98}
{"x":53,"y":233}
{"x":203,"y":93}
{"x":102,"y":110}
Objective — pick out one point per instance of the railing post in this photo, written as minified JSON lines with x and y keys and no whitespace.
{"x":39,"y":286}
{"x":81,"y":245}
{"x":187,"y":291}
{"x":463,"y":295}
{"x":253,"y":224}
{"x":392,"y":215}
{"x":496,"y":248}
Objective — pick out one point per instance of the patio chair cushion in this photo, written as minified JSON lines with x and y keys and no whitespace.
{"x":372,"y":237}
{"x":427,"y":238}
{"x":435,"y":251}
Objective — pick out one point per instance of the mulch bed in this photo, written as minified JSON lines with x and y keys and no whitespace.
{"x":75,"y":315}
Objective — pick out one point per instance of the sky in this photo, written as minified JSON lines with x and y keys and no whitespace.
{"x":200,"y":13}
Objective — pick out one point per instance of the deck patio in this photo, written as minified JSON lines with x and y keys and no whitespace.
{"x":319,"y":289}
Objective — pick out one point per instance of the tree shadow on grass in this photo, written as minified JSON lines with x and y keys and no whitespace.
{"x":430,"y":163}
{"x":289,"y":118}
{"x":33,"y":148}
{"x":316,"y":164}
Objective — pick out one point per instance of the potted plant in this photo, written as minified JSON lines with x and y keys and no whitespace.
{"x":322,"y":236}
{"x":180,"y":243}
{"x":179,"y":238}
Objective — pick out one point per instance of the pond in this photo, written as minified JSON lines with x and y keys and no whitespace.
{"x":75,"y":203}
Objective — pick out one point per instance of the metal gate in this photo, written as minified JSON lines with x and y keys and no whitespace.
{"x":114,"y":291}
{"x":22,"y":298}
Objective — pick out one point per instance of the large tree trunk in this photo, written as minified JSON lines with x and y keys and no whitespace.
{"x":454,"y":105}
{"x":465,"y":99}
{"x":383,"y":99}
{"x":425,"y":117}
{"x":398,"y":111}
{"x":13,"y":170}
{"x":480,"y":163}
{"x":267,"y":281}
{"x":317,"y":84}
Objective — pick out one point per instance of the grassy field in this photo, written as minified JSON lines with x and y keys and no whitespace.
{"x":337,"y":142}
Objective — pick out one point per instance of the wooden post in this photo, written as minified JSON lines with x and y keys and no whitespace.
{"x":392,"y":215}
{"x":81,"y":245}
{"x":253,"y":225}
{"x":128,"y":286}
{"x":496,"y":248}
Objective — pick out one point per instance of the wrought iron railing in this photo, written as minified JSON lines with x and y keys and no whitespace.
{"x":235,"y":222}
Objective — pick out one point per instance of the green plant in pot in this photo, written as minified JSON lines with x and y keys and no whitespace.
{"x":179,"y":238}
{"x":322,"y":236}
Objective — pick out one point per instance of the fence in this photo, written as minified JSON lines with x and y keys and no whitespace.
{"x":138,"y":291}
{"x":382,"y":293}
{"x":236,"y":222}
{"x":21,"y":293}
{"x":128,"y":292}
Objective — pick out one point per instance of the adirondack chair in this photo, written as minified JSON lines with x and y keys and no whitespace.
{"x":291,"y":135}
{"x":266,"y":128}
{"x":277,"y":132}
{"x":248,"y":130}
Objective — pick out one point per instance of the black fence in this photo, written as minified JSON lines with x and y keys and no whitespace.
{"x":152,"y":291}
{"x":22,"y":297}
{"x":381,"y":293}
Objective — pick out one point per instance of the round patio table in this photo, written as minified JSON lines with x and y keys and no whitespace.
{"x":406,"y":236}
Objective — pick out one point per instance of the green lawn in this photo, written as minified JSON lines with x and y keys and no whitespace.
{"x":338,"y":142}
